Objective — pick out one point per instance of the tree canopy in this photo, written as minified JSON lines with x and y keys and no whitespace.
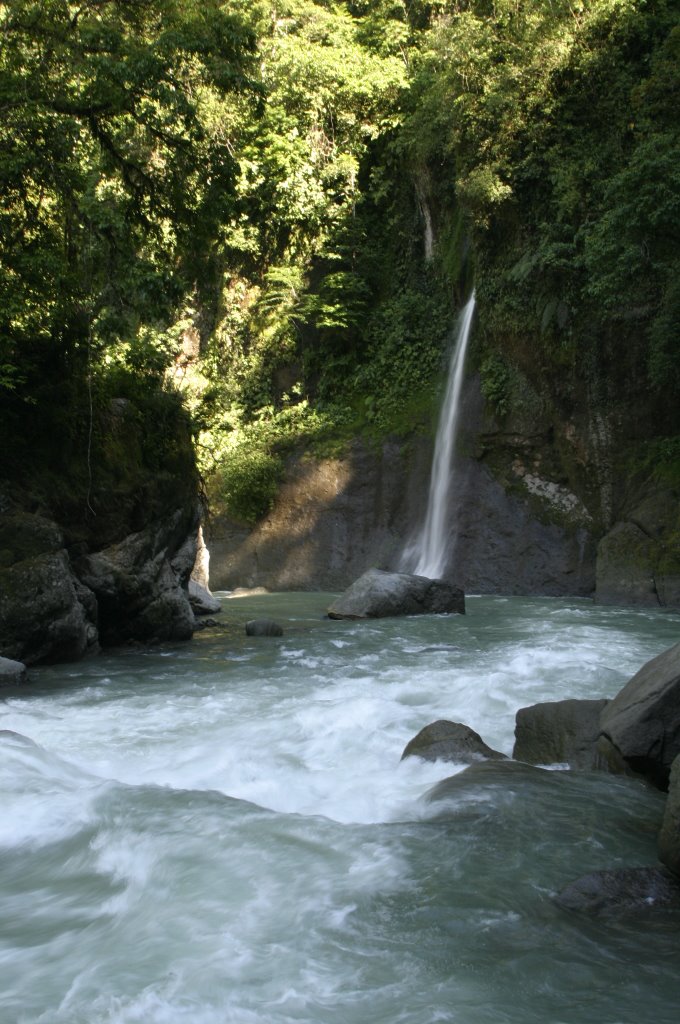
{"x":307,"y":188}
{"x":112,"y":178}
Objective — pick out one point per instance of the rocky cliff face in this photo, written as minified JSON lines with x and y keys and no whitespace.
{"x":77,"y":572}
{"x":335,"y":518}
{"x":536,"y":508}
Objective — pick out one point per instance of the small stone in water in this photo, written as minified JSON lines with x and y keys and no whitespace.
{"x":263,"y":627}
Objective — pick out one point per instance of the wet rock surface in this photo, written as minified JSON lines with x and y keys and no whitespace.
{"x":141,"y":583}
{"x":46,"y":613}
{"x":622,"y":891}
{"x":450,"y":741}
{"x":263,"y":627}
{"x":334,"y":517}
{"x":12,"y":673}
{"x":378,"y":594}
{"x":641,"y":725}
{"x":669,"y":837}
{"x":560,"y":732}
{"x":57,"y":608}
{"x":201,"y":600}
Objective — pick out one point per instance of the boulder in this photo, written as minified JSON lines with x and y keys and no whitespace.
{"x":450,"y":741}
{"x":640,"y":727}
{"x":46,"y":614}
{"x":263,"y":627}
{"x":141,"y":583}
{"x":12,"y":673}
{"x":622,"y":891}
{"x":378,"y":594}
{"x":201,"y":600}
{"x":560,"y":732}
{"x":485,"y":776}
{"x":669,"y":837}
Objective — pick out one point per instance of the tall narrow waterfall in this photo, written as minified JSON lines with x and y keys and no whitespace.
{"x":429,"y":553}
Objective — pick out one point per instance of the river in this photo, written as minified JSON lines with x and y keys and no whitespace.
{"x":222,"y":832}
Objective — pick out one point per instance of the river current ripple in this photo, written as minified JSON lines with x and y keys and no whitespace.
{"x":222,"y":832}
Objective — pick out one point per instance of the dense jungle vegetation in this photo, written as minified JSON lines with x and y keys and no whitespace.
{"x":262,"y":216}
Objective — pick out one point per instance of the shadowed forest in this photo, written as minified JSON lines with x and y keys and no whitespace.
{"x":255,"y":221}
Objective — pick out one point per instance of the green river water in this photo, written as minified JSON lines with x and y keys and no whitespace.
{"x":223,"y":832}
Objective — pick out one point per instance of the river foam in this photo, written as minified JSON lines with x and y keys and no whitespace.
{"x":223,"y":832}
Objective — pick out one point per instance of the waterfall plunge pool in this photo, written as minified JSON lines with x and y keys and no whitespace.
{"x":222,"y":832}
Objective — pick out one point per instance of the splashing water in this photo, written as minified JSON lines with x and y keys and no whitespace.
{"x":224,"y":833}
{"x":429,"y":555}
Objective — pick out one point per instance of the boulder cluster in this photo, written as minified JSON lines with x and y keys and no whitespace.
{"x":637,"y":733}
{"x":61,"y":602}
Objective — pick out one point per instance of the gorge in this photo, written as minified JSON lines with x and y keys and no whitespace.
{"x":236,"y":240}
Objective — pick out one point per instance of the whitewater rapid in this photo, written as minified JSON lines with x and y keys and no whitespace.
{"x":224,"y":831}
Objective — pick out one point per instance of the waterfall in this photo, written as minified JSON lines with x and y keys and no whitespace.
{"x":429,"y":553}
{"x":428,"y":236}
{"x":429,"y":232}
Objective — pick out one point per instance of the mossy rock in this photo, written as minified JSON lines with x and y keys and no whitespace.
{"x":24,"y":535}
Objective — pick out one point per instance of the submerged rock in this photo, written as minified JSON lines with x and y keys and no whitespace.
{"x":12,"y":673}
{"x":641,"y":726}
{"x":450,"y":741}
{"x":669,"y":837}
{"x":263,"y":627}
{"x":560,"y":732}
{"x":501,"y":775}
{"x":205,"y":624}
{"x":378,"y":594}
{"x":622,"y":890}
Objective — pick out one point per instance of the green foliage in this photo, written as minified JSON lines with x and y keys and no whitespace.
{"x":556,"y":122}
{"x":246,"y":482}
{"x":661,"y":459}
{"x":152,"y":190}
{"x":496,"y":383}
{"x":109,"y":179}
{"x":243,"y":462}
{"x":113,"y":182}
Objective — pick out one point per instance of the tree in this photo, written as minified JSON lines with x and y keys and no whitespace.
{"x":110,"y":181}
{"x":114,"y":177}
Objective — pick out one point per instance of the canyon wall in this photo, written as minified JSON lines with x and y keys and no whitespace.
{"x":335,"y":518}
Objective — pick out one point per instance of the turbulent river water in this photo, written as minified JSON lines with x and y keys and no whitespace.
{"x":223,"y":832}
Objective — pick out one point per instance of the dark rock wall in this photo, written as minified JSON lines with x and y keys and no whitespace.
{"x":535,"y":508}
{"x":335,"y":518}
{"x":80,"y":568}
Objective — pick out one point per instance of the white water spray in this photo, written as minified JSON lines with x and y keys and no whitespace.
{"x":430,"y":549}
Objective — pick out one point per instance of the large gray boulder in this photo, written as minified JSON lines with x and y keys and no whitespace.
{"x":560,"y":732}
{"x":669,"y":837}
{"x":621,"y":891}
{"x":450,"y":741}
{"x":640,"y":727}
{"x":378,"y":594}
{"x":46,"y":614}
{"x":141,"y":583}
{"x":12,"y":673}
